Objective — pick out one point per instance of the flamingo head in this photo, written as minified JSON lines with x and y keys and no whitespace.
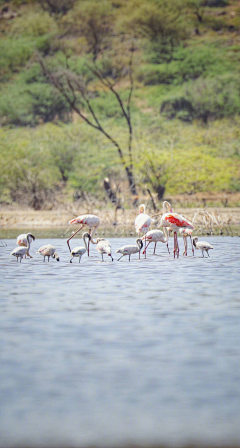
{"x":139,"y":243}
{"x":30,"y":235}
{"x":142,"y":208}
{"x":55,"y":255}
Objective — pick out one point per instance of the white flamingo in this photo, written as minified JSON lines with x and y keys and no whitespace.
{"x":175,"y":222}
{"x":79,"y":251}
{"x":155,"y":236}
{"x":142,"y":223}
{"x":22,"y":241}
{"x":185,"y":234}
{"x":48,"y":251}
{"x":91,"y":221}
{"x":202,"y":245}
{"x":19,"y":252}
{"x":104,"y":247}
{"x":130,"y":249}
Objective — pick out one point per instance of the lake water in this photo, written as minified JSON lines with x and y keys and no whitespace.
{"x":116,"y":353}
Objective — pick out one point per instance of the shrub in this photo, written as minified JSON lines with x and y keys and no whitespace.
{"x":206,"y":99}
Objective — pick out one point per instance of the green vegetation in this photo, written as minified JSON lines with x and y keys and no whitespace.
{"x":144,"y":92}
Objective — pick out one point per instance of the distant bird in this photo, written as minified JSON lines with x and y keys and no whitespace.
{"x":175,"y":222}
{"x":202,"y":245}
{"x":91,"y":221}
{"x":154,"y":236}
{"x":19,"y":252}
{"x":185,"y":233}
{"x":104,"y":247}
{"x":130,"y":249}
{"x":79,"y":251}
{"x":22,"y":241}
{"x":142,"y":222}
{"x":48,"y":251}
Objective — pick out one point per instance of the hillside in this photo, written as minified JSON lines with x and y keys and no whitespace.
{"x":145,"y":93}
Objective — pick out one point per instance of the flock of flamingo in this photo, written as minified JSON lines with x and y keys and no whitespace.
{"x":171,"y":223}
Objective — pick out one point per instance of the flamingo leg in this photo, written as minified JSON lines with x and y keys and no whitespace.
{"x":44,"y":258}
{"x":72,"y":237}
{"x":120,"y":258}
{"x":146,"y":247}
{"x":168,"y":248}
{"x":102,"y":257}
{"x":177,"y":246}
{"x":88,"y":246}
{"x":145,"y":250}
{"x":71,"y":259}
{"x":174,"y":244}
{"x":192,"y":245}
{"x":154,"y":248}
{"x":80,"y":259}
{"x":48,"y":259}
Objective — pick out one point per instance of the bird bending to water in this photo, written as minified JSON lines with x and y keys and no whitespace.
{"x":104,"y":247}
{"x":154,"y":236}
{"x":142,"y":222}
{"x":130,"y":249}
{"x":175,"y":222}
{"x":48,"y":251}
{"x":185,"y":233}
{"x":79,"y":251}
{"x":19,"y":252}
{"x":91,"y":221}
{"x":22,"y":241}
{"x":202,"y":245}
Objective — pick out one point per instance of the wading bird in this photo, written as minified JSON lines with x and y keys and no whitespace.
{"x":91,"y":221}
{"x":154,"y":236}
{"x":22,"y":241}
{"x":185,"y":233}
{"x":48,"y":251}
{"x":202,"y":245}
{"x":104,"y":247}
{"x":175,"y":222}
{"x":19,"y":252}
{"x":130,"y":249}
{"x":79,"y":251}
{"x":142,"y":223}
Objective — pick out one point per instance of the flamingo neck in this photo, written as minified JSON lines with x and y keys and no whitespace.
{"x":166,"y":234}
{"x":84,"y":240}
{"x":167,"y":207}
{"x":142,"y":209}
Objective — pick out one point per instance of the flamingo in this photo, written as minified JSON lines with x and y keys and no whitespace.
{"x":202,"y":245}
{"x":91,"y":221}
{"x":185,"y":233}
{"x":19,"y":252}
{"x":130,"y":249}
{"x":154,"y":236}
{"x":175,"y":222}
{"x":22,"y":241}
{"x":104,"y":247}
{"x":79,"y":251}
{"x":142,"y":223}
{"x":48,"y":251}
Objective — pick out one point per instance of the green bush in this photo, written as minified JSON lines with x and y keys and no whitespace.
{"x":14,"y":53}
{"x":206,"y":99}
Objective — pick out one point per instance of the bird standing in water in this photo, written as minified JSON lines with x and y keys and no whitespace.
{"x":175,"y":222}
{"x":22,"y":241}
{"x":104,"y":247}
{"x":91,"y":221}
{"x":202,"y":245}
{"x":130,"y":249}
{"x":154,"y":236}
{"x":19,"y":252}
{"x":185,"y":234}
{"x":142,"y":223}
{"x":48,"y":251}
{"x":79,"y":251}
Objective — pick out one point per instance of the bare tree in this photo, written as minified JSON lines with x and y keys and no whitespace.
{"x":75,"y":90}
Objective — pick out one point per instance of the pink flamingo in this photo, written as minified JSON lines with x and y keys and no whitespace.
{"x":142,"y":223}
{"x":175,"y":222}
{"x":185,"y":233}
{"x":91,"y":221}
{"x":22,"y":241}
{"x":154,"y":236}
